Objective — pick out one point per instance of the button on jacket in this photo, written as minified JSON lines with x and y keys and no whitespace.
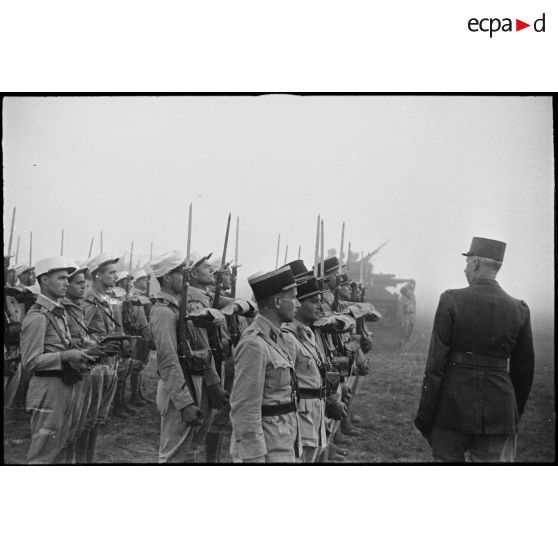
{"x":483,"y":320}
{"x":263,"y":360}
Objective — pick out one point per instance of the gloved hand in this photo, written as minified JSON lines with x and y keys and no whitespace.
{"x":191,"y":415}
{"x":336,"y":410}
{"x":366,"y":343}
{"x":205,"y":317}
{"x":336,"y":323}
{"x":218,"y":397}
{"x":76,"y":358}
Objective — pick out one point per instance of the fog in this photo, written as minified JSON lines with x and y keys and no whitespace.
{"x":426,"y":172}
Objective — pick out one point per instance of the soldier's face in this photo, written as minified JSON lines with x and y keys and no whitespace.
{"x":288,"y":305}
{"x":344,"y":292}
{"x":76,"y":288}
{"x":55,"y":285}
{"x":227,"y":280}
{"x":123,"y":283}
{"x":141,"y":284}
{"x":310,"y":309}
{"x":28,"y":278}
{"x":107,"y":276}
{"x":175,"y":282}
{"x":203,"y":274}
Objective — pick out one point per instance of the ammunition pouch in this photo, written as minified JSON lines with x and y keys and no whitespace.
{"x":70,"y":375}
{"x":12,"y":334}
{"x":342,"y":364}
{"x":332,"y":382}
{"x":196,"y":363}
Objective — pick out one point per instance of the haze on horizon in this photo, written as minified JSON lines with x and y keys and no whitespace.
{"x":426,"y":172}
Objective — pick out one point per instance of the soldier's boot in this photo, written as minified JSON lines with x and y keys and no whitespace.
{"x":118,"y":409}
{"x":92,"y":445}
{"x":341,"y":440}
{"x":340,"y":449}
{"x":81,"y":447}
{"x":355,"y":419}
{"x":348,"y":429}
{"x":135,"y":381}
{"x":336,"y":457}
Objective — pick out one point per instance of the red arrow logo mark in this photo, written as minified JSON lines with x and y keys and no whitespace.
{"x":519,"y":25}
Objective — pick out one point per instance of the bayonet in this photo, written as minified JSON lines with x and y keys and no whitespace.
{"x":277,"y":253}
{"x":17,"y":250}
{"x":62,"y":243}
{"x":317,"y":248}
{"x":91,"y":247}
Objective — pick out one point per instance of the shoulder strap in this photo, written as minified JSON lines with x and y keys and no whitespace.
{"x":54,"y":324}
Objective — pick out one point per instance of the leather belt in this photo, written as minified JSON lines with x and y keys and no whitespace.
{"x":318,"y":393}
{"x":481,"y":361}
{"x":48,"y":373}
{"x":276,"y":410}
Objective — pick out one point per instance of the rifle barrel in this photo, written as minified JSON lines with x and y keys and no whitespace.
{"x":11,"y":233}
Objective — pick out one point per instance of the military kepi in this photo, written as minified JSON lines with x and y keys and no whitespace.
{"x":487,"y":248}
{"x":330,"y":265}
{"x":311,"y":287}
{"x":272,"y":283}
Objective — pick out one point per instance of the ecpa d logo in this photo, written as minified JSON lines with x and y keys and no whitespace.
{"x":492,"y":25}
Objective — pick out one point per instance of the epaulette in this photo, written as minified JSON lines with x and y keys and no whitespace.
{"x":449,"y":291}
{"x":162,"y":301}
{"x":523,"y":303}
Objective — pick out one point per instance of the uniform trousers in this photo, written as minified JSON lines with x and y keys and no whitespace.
{"x":51,"y":403}
{"x":11,"y":382}
{"x":110,"y":380}
{"x":180,"y":443}
{"x":82,"y":401}
{"x":449,"y":446}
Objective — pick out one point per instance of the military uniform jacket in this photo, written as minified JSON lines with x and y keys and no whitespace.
{"x":76,"y":321}
{"x":482,"y":320}
{"x":100,"y":315}
{"x":311,"y":411}
{"x":41,"y":342}
{"x":264,"y":361}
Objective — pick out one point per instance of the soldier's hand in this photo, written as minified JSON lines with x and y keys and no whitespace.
{"x":218,"y":396}
{"x":76,"y":357}
{"x":346,"y":393}
{"x":191,"y":415}
{"x":111,"y":347}
{"x":95,"y":351}
{"x":336,"y":410}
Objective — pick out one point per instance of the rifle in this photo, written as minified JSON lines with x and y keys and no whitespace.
{"x":185,"y":354}
{"x":149,"y":270}
{"x":213,"y":332}
{"x":10,"y":327}
{"x":232,"y":321}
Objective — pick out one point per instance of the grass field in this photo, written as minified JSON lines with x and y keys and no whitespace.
{"x":387,"y":400}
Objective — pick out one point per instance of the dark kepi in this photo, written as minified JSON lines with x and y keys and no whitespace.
{"x":272,"y":283}
{"x":487,"y":248}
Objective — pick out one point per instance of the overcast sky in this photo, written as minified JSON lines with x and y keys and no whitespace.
{"x":428,"y":173}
